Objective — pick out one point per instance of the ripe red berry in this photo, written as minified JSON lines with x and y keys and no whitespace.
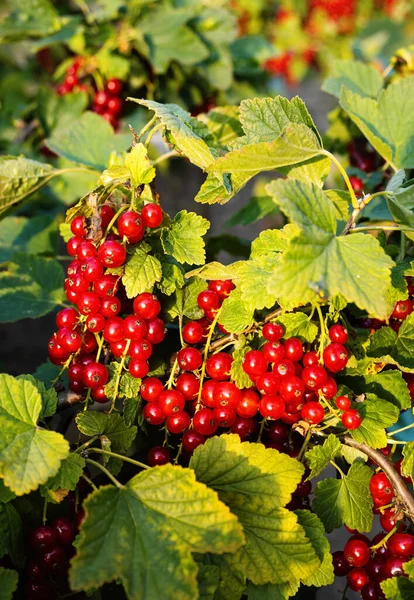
{"x":291,"y":388}
{"x":138,"y":368}
{"x":218,"y":366}
{"x":340,"y":564}
{"x":152,"y":215}
{"x":86,"y":250}
{"x":293,"y":349}
{"x":54,"y":560}
{"x":272,"y":332}
{"x":402,"y":545}
{"x":71,"y":342}
{"x":43,"y":537}
{"x":402,"y":309}
{"x":268,"y":383}
{"x":224,"y":416}
{"x":67,"y":317}
{"x":189,"y":359}
{"x":222,"y":287}
{"x":107,"y":215}
{"x":193,"y":332}
{"x":207,"y":393}
{"x":73,"y":245}
{"x":118,"y":348}
{"x":110,"y":306}
{"x":273,"y":352}
{"x":381,"y":488}
{"x":271,"y":407}
{"x":88,"y":303}
{"x":375,"y":567}
{"x":107,"y":285}
{"x":351,"y":419}
{"x":388,"y":519}
{"x":91,"y":269}
{"x":178,"y":423}
{"x":357,"y":184}
{"x":64,"y":530}
{"x":254,"y":363}
{"x":248,"y":405}
{"x":114,"y":87}
{"x":335,"y":357}
{"x":99,"y":395}
{"x":155,"y":331}
{"x":191,"y":440}
{"x":357,"y":578}
{"x":188,"y":385}
{"x":284,"y":368}
{"x":313,"y":413}
{"x":75,"y":371}
{"x":245,"y":428}
{"x":204,"y":423}
{"x":147,"y":306}
{"x":329,"y":388}
{"x":159,"y":455}
{"x":153,"y":414}
{"x":278,"y":432}
{"x":77,"y":226}
{"x":226,"y":394}
{"x":357,"y":552}
{"x":141,"y":349}
{"x":134,"y":327}
{"x":171,"y":402}
{"x":310,"y":359}
{"x":343,"y":402}
{"x":208,"y":300}
{"x":338,"y":333}
{"x":35,"y":570}
{"x":100,"y":98}
{"x":94,"y":375}
{"x":130,"y":224}
{"x":151,"y":389}
{"x":114,"y":330}
{"x":112,"y":254}
{"x":314,"y":377}
{"x":394,"y":567}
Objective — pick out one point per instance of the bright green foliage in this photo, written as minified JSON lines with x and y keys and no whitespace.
{"x":346,"y":500}
{"x":232,"y":579}
{"x":208,"y":579}
{"x":407,"y":466}
{"x":354,"y":76}
{"x":184,"y":238}
{"x":316,"y":533}
{"x":298,"y":325}
{"x":37,"y":235}
{"x":272,"y":591}
{"x":65,"y":479}
{"x":172,"y":278}
{"x":398,"y":588}
{"x":8,"y":583}
{"x":318,"y":262}
{"x":376,"y":415}
{"x":386,"y":385}
{"x":184,"y":301}
{"x":29,"y":456}
{"x":30,"y":288}
{"x":49,"y":397}
{"x":238,"y":375}
{"x":235,"y":316}
{"x":319,"y":457}
{"x":389,"y":130}
{"x":273,"y":240}
{"x":257,"y":208}
{"x":223,"y":125}
{"x":392,"y":347}
{"x":144,"y":533}
{"x":142,"y":272}
{"x":138,"y":164}
{"x":111,"y":426}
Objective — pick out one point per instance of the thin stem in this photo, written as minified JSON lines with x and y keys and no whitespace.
{"x":165,"y":156}
{"x":333,"y":463}
{"x":345,"y":177}
{"x":380,"y":228}
{"x":391,"y":433}
{"x":146,"y":127}
{"x":385,"y":539}
{"x":124,"y":458}
{"x":322,"y":336}
{"x":391,"y":441}
{"x":305,"y":444}
{"x":170,"y":381}
{"x":87,"y":444}
{"x":118,"y":375}
{"x":152,"y":133}
{"x":91,"y":483}
{"x":44,"y":515}
{"x":100,"y":346}
{"x":205,"y":356}
{"x":401,"y":253}
{"x":105,"y":470}
{"x":177,"y":456}
{"x":262,"y":426}
{"x":180,"y":329}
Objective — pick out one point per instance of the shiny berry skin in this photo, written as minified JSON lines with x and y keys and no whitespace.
{"x":218,"y":366}
{"x":73,"y":245}
{"x":114,"y":105}
{"x":388,"y":519}
{"x":147,"y":306}
{"x":138,"y":368}
{"x":188,"y":385}
{"x":254,"y":363}
{"x":192,"y":439}
{"x":381,"y":488}
{"x":189,"y":359}
{"x":193,"y":332}
{"x":75,"y":372}
{"x":207,"y":393}
{"x":71,"y":342}
{"x":245,"y":428}
{"x":204,"y":423}
{"x":77,"y":284}
{"x":226,"y":394}
{"x":64,"y":530}
{"x":43,"y":537}
{"x":248,"y":405}
{"x":153,"y":414}
{"x":54,"y":560}
{"x":91,"y":269}
{"x":100,"y":98}
{"x":284,"y":368}
{"x":118,"y":348}
{"x":313,"y":413}
{"x":357,"y":578}
{"x":310,"y":359}
{"x":375,"y":568}
{"x":272,"y":332}
{"x":88,"y":303}
{"x":86,"y":250}
{"x":35,"y":570}
{"x":112,"y":254}
{"x":338,"y":333}
{"x":278,"y":432}
{"x":402,"y":309}
{"x":268,"y":383}
{"x":141,"y":349}
{"x":335,"y":357}
{"x":314,"y":377}
{"x":402,"y":545}
{"x":155,"y":331}
{"x":37,"y":590}
{"x":351,"y":419}
{"x":273,"y":352}
{"x":114,"y":330}
{"x":152,"y":215}
{"x":293,"y":349}
{"x":171,"y":402}
{"x":372,"y":591}
{"x":271,"y":407}
{"x":134,"y":327}
{"x":107,"y":285}
{"x":77,"y":226}
{"x":114,"y":86}
{"x":130,"y":225}
{"x":222,"y":287}
{"x":208,"y":300}
{"x":357,"y":553}
{"x":224,"y":416}
{"x":73,"y":267}
{"x":340,"y":564}
{"x":159,"y":455}
{"x":94,"y":375}
{"x":99,"y":395}
{"x":110,"y":306}
{"x":357,"y":184}
{"x":107,"y":215}
{"x":343,"y":402}
{"x":151,"y":389}
{"x":178,"y":423}
{"x":329,"y":388}
{"x":394,"y":567}
{"x":291,"y":388}
{"x":210,"y":313}
{"x":67,"y":317}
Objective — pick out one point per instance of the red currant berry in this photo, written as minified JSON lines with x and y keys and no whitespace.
{"x":147,"y":306}
{"x":335,"y":357}
{"x":338,"y":333}
{"x":189,"y":359}
{"x":188,"y":385}
{"x":343,"y":402}
{"x":381,"y":488}
{"x":112,"y":254}
{"x":35,"y":570}
{"x":130,"y":225}
{"x":73,"y":245}
{"x":159,"y":455}
{"x":278,"y":432}
{"x":193,"y":332}
{"x":340,"y":564}
{"x":86,"y":250}
{"x":67,"y":317}
{"x":38,"y":590}
{"x":107,"y":215}
{"x":64,"y":530}
{"x":178,"y":423}
{"x":151,"y":389}
{"x":284,"y":368}
{"x":226,"y":394}
{"x":192,"y":439}
{"x":273,"y":351}
{"x":100,"y":98}
{"x":76,"y":283}
{"x":388,"y":519}
{"x":357,"y":184}
{"x":314,"y":377}
{"x":207,"y":393}
{"x":272,"y":332}
{"x":75,"y":371}
{"x":94,"y":375}
{"x":71,"y":342}
{"x":268,"y":383}
{"x":254,"y":363}
{"x":43,"y":537}
{"x":153,"y":414}
{"x":271,"y":407}
{"x":329,"y":388}
{"x":224,"y":416}
{"x":99,"y":395}
{"x":155,"y":331}
{"x":351,"y":419}
{"x":114,"y":87}
{"x":110,"y":306}
{"x":152,"y":215}
{"x":218,"y":366}
{"x":248,"y":405}
{"x":171,"y":402}
{"x":402,"y":309}
{"x":401,"y":544}
{"x":291,"y":388}
{"x":394,"y":567}
{"x":88,"y":303}
{"x":313,"y":413}
{"x":55,"y":561}
{"x":375,"y":568}
{"x":118,"y":348}
{"x":91,"y":269}
{"x":77,"y":226}
{"x":114,"y":330}
{"x":204,"y":422}
{"x":141,"y":349}
{"x":138,"y":368}
{"x":107,"y":285}
{"x":357,"y":552}
{"x":245,"y":428}
{"x":310,"y":359}
{"x":357,"y":578}
{"x":134,"y":327}
{"x":293,"y":349}
{"x":208,"y":300}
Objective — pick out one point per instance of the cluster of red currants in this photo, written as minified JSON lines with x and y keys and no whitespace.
{"x":96,"y":324}
{"x":107,"y":102}
{"x":51,"y":548}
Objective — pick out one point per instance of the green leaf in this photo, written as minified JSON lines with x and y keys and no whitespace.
{"x":319,"y":457}
{"x":30,"y":288}
{"x":26,"y":19}
{"x":20,"y":177}
{"x":208,"y":578}
{"x":112,"y":65}
{"x":112,"y":426}
{"x":49,"y":397}
{"x":144,"y":533}
{"x":272,"y":591}
{"x":386,"y":385}
{"x":11,"y":534}
{"x":318,"y":262}
{"x":184,"y":302}
{"x":8,"y":583}
{"x":5,"y":494}
{"x":254,"y":276}
{"x":142,"y":271}
{"x":341,"y":200}
{"x":37,"y":235}
{"x":352,"y":454}
{"x":235,"y":316}
{"x":58,"y":112}
{"x":298,"y":325}
{"x":316,"y":533}
{"x":354,"y":76}
{"x":184,"y":238}
{"x":88,"y":140}
{"x":232,"y":580}
{"x":396,"y":181}
{"x":398,"y":588}
{"x":29,"y":455}
{"x":172,"y":278}
{"x":223,"y":124}
{"x":138,"y":164}
{"x":394,"y":348}
{"x":238,"y":375}
{"x":388,"y":122}
{"x":65,"y":479}
{"x":407,"y":465}
{"x":346,"y":500}
{"x":273,"y":240}
{"x":256,"y":208}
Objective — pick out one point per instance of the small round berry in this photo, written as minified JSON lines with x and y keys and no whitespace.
{"x":43,"y":537}
{"x":351,"y":419}
{"x":335,"y":357}
{"x":118,"y":348}
{"x":114,"y":330}
{"x":107,"y":285}
{"x":152,"y":215}
{"x":357,"y":552}
{"x":254,"y":363}
{"x":101,"y":98}
{"x":55,"y":561}
{"x":141,"y":349}
{"x":245,"y":428}
{"x":178,"y":423}
{"x":130,"y":224}
{"x":224,"y":416}
{"x":218,"y":366}
{"x":357,"y":578}
{"x":310,"y":359}
{"x":204,"y":423}
{"x":278,"y":432}
{"x":171,"y":402}
{"x":112,"y":254}
{"x":192,"y":439}
{"x":248,"y":405}
{"x":340,"y":564}
{"x":293,"y":349}
{"x":381,"y":488}
{"x":222,"y":287}
{"x":71,"y":342}
{"x":107,"y":214}
{"x":193,"y":332}
{"x":73,"y":245}
{"x":402,"y":309}
{"x":343,"y":402}
{"x":208,"y":300}
{"x":88,"y":303}
{"x":114,"y":105}
{"x":94,"y":375}
{"x":189,"y":359}
{"x":138,"y":368}
{"x":338,"y":333}
{"x":375,"y":568}
{"x":151,"y":389}
{"x":329,"y":388}
{"x":159,"y":455}
{"x":134,"y":327}
{"x":35,"y":571}
{"x":188,"y":385}
{"x":77,"y":226}
{"x":86,"y":250}
{"x":67,"y":317}
{"x":271,"y":407}
{"x":207,"y":393}
{"x":110,"y":306}
{"x":388,"y":519}
{"x":273,"y":352}
{"x":268,"y":384}
{"x":284,"y":368}
{"x":314,"y":377}
{"x":147,"y":306}
{"x":65,"y":531}
{"x":357,"y":184}
{"x":99,"y":395}
{"x":155,"y":331}
{"x":75,"y":372}
{"x":226,"y":394}
{"x":114,"y":86}
{"x":402,"y":545}
{"x":272,"y":332}
{"x":91,"y":269}
{"x":313,"y":413}
{"x":153,"y":414}
{"x":394,"y":567}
